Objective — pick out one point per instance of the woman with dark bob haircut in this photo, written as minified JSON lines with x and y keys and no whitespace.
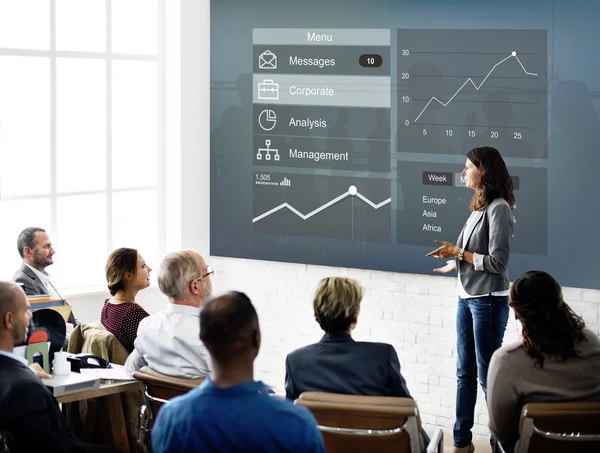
{"x":126,"y":274}
{"x":481,"y":258}
{"x":556,"y":360}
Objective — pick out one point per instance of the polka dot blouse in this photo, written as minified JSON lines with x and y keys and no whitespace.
{"x":122,"y":320}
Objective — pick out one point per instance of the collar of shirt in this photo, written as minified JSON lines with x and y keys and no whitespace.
{"x":235,"y":391}
{"x":338,"y":339}
{"x":182,"y":309}
{"x":14,"y":356}
{"x":41,"y":275}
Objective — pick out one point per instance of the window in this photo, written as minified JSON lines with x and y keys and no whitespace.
{"x":82,"y":131}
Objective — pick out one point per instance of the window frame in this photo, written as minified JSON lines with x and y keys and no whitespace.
{"x":108,"y":57}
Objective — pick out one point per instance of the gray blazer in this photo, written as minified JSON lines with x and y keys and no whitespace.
{"x":489,"y":235}
{"x":32,"y":285}
{"x":29,"y":281}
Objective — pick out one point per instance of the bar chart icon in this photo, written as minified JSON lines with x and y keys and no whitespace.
{"x":286,"y":182}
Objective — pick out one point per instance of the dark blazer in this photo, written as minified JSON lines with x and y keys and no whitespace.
{"x":30,"y":412}
{"x":342,"y":365}
{"x":33,"y":286}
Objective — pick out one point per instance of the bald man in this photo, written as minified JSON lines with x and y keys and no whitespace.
{"x":231,"y":411}
{"x":28,"y":411}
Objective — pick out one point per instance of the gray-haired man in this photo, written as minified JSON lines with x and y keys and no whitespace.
{"x":169,"y":341}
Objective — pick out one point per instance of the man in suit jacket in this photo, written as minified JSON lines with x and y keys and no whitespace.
{"x":28,"y":411}
{"x":35,"y":247}
{"x":337,"y":363}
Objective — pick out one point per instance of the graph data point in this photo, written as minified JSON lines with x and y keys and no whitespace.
{"x":514,"y":54}
{"x":352,"y":190}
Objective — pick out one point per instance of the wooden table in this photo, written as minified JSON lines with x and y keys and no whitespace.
{"x":104,"y":390}
{"x":111,"y":397}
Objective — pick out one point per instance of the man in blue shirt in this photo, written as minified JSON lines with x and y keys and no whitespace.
{"x":230,"y":411}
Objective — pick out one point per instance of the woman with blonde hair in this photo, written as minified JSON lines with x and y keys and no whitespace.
{"x":337,"y":363}
{"x":126,"y":274}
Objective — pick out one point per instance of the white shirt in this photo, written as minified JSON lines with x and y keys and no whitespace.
{"x":478,"y":265}
{"x":45,"y":279}
{"x":169,"y":342}
{"x":15,"y":357}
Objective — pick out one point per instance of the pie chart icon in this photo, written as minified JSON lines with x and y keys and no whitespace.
{"x":267,"y":119}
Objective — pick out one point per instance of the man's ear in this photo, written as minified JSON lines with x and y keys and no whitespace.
{"x":7,"y":320}
{"x":256,"y":339}
{"x":27,"y":251}
{"x":194,"y":287}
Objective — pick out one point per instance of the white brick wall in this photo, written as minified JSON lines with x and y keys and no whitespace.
{"x":415,"y":313}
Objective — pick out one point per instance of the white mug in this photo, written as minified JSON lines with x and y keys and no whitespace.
{"x":61,"y":366}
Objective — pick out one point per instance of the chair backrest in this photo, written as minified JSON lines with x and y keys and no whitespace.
{"x":572,"y":427}
{"x":353,"y":424}
{"x":159,"y":388}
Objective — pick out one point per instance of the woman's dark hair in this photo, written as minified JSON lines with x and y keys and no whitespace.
{"x":120,"y":262}
{"x":550,"y":327}
{"x":494,"y":180}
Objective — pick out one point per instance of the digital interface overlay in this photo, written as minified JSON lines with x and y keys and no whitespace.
{"x":343,"y":144}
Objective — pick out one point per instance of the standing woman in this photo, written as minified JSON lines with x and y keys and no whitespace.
{"x":481,"y":253}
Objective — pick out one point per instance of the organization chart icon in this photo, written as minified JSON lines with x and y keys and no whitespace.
{"x":267,"y":151}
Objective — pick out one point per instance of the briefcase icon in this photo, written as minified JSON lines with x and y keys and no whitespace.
{"x":268,"y":89}
{"x":267,"y":60}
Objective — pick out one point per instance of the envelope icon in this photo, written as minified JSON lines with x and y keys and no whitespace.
{"x":267,"y":60}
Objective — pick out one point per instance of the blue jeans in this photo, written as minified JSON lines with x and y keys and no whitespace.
{"x":480,"y":326}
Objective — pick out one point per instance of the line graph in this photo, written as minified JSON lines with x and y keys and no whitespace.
{"x":324,"y":206}
{"x":459,"y":89}
{"x":433,"y":98}
{"x":352,"y":191}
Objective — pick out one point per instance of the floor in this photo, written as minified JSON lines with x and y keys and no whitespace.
{"x":481,"y":446}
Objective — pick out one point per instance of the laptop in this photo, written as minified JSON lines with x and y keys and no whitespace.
{"x":71,"y":383}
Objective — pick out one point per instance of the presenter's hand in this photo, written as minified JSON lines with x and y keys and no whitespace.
{"x":450,"y":267}
{"x":37,"y":369}
{"x":446,"y":250}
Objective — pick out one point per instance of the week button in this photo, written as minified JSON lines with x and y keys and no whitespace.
{"x":434,"y":178}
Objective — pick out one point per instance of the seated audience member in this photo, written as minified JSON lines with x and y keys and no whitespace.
{"x":35,"y":248}
{"x":556,"y":360}
{"x":126,"y":274}
{"x":231,"y":411}
{"x":337,"y":363}
{"x":169,"y":341}
{"x":28,"y":411}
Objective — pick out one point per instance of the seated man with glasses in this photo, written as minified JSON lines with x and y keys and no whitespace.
{"x":169,"y":341}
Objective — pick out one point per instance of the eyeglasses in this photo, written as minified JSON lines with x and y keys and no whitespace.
{"x":209,"y":271}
